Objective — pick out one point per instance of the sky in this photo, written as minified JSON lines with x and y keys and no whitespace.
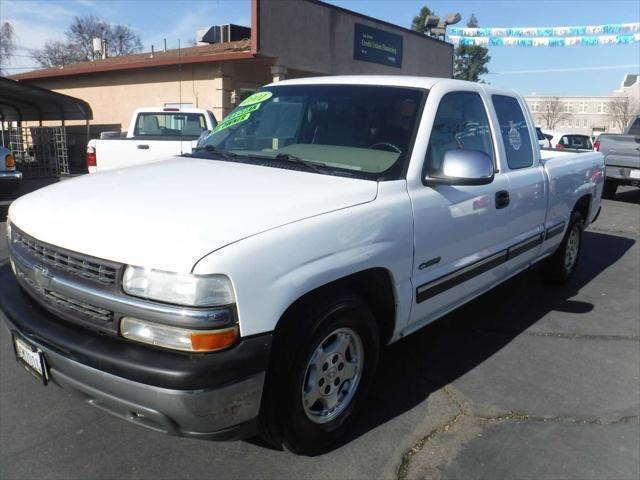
{"x":545,"y":71}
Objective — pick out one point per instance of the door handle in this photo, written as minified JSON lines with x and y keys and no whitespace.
{"x":143,"y":147}
{"x":502,"y":199}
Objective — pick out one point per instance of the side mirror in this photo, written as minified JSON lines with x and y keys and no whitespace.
{"x":463,"y":167}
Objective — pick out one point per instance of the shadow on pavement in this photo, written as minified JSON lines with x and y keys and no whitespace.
{"x":628,"y":196}
{"x":440,"y":353}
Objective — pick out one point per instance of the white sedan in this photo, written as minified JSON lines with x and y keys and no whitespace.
{"x":570,"y":141}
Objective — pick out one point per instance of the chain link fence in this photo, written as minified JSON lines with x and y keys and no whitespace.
{"x":40,"y":151}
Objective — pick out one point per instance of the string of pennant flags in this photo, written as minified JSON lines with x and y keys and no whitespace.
{"x":586,"y":35}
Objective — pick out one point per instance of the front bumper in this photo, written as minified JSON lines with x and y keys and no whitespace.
{"x":214,"y":396}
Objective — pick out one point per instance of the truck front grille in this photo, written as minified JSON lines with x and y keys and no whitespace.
{"x":74,"y":264}
{"x":86,"y":309}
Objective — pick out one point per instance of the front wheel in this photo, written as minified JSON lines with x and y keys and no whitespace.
{"x":323,"y":364}
{"x":560,"y":267}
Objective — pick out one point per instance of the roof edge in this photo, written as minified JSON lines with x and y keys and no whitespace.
{"x":93,"y":68}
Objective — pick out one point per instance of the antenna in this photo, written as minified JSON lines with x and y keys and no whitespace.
{"x":180,"y":92}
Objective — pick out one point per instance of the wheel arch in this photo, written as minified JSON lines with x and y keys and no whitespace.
{"x":374,"y":285}
{"x":583,"y":206}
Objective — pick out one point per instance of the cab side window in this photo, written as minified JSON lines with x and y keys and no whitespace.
{"x":460,"y":123}
{"x":515,"y":133}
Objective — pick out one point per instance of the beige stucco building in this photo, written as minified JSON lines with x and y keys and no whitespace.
{"x":288,"y":39}
{"x":589,"y":115}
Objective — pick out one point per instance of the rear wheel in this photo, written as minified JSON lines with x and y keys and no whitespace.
{"x":323,"y":363}
{"x":609,"y":189}
{"x":560,"y":267}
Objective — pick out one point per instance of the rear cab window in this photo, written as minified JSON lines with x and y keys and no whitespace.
{"x":634,"y":129}
{"x":515,"y":132}
{"x":582,"y":142}
{"x":169,"y":124}
{"x":461,"y":122}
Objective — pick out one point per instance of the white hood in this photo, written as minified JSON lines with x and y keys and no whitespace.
{"x":167,"y":215}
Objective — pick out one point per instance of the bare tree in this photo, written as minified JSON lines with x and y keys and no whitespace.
{"x":623,"y":109}
{"x":57,"y":54}
{"x":7,"y":43}
{"x":553,"y":112}
{"x":120,"y":40}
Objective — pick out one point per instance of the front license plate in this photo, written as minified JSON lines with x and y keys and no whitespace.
{"x":31,"y":358}
{"x":634,"y":173}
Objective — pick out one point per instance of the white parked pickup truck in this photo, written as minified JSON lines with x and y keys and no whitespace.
{"x":154,"y":133}
{"x":250,"y":285}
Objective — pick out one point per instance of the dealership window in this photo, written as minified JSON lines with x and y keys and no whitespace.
{"x":583,"y":107}
{"x":584,"y":123}
{"x":568,"y":107}
{"x":602,"y":107}
{"x":534,"y":107}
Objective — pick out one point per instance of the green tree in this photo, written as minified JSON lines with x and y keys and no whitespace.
{"x":420,"y":20}
{"x":470,"y":61}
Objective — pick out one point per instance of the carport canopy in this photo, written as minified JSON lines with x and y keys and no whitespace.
{"x":20,"y":102}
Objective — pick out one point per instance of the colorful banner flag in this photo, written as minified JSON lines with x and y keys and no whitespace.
{"x":555,"y":41}
{"x":574,"y":31}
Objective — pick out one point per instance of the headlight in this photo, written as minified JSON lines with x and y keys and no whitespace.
{"x":179,"y":288}
{"x":177,"y":338}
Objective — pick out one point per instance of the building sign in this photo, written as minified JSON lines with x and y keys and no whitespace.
{"x":377,"y":46}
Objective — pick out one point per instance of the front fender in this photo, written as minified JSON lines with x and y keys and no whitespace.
{"x":270,"y":271}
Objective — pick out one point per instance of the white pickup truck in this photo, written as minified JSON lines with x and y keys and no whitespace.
{"x":154,"y":133}
{"x":250,"y":285}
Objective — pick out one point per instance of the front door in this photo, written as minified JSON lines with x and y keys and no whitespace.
{"x":460,"y":232}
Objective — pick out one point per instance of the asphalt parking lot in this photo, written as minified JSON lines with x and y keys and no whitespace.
{"x":528,"y":381}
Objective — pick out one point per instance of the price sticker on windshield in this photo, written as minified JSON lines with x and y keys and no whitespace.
{"x":236,"y":117}
{"x":256,"y":98}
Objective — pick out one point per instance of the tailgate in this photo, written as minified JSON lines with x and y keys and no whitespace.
{"x":621,"y":150}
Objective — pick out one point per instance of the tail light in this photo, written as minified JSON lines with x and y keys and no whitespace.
{"x":9,"y":161}
{"x":91,"y":157}
{"x":559,"y":146}
{"x":596,"y":146}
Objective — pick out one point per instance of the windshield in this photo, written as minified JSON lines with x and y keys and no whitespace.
{"x":360,"y":129}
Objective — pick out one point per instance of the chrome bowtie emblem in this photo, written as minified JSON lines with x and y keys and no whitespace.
{"x":42,"y":277}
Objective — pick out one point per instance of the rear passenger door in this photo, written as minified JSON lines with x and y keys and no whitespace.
{"x":459,"y":230}
{"x":526,"y":194}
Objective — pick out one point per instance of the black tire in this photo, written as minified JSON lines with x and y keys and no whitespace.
{"x":283,"y":420}
{"x":609,"y":189}
{"x":554,"y":268}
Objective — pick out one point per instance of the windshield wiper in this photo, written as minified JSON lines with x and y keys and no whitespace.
{"x":211,"y":150}
{"x":287,"y":157}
